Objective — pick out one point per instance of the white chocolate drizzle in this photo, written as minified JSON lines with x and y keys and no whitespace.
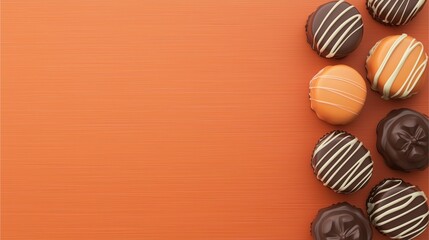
{"x":339,"y":168}
{"x":380,"y":7}
{"x":344,"y":94}
{"x":347,"y":28}
{"x":399,"y":204}
{"x":408,"y":85}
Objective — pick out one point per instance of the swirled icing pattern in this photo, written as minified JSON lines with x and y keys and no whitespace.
{"x":396,"y":66}
{"x":394,"y":12}
{"x":341,"y":162}
{"x":403,"y":140}
{"x":335,"y":29}
{"x":341,"y":221}
{"x":398,"y":209}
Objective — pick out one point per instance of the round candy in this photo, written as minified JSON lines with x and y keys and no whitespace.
{"x":335,"y":29}
{"x":341,"y":221}
{"x":337,"y":94}
{"x":396,"y":65}
{"x":402,"y":140}
{"x":398,"y":209}
{"x":341,"y":162}
{"x":394,"y":12}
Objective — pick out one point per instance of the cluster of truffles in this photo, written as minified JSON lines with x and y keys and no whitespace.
{"x":396,"y":208}
{"x":396,"y":69}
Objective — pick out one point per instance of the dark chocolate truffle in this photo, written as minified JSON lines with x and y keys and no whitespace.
{"x":335,"y":29}
{"x":394,"y":12}
{"x":341,"y":162}
{"x":402,"y":140}
{"x":398,"y":209}
{"x":340,"y":222}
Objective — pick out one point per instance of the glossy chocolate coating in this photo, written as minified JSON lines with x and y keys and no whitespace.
{"x":393,"y":12}
{"x":402,"y":140}
{"x":337,"y":94}
{"x":398,"y":209}
{"x":341,"y":221}
{"x":396,"y":67}
{"x":335,"y":29}
{"x":341,"y":162}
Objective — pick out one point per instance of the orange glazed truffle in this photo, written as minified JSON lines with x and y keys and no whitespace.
{"x":337,"y":94}
{"x":396,"y":65}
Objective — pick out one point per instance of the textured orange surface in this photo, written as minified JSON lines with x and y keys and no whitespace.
{"x":149,"y":119}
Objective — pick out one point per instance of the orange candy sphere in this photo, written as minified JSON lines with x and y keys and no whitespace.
{"x":337,"y":94}
{"x":396,"y":67}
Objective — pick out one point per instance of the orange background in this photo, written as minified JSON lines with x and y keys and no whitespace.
{"x":149,"y":119}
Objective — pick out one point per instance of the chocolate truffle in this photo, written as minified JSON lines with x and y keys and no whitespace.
{"x":402,"y":140}
{"x":394,"y":12}
{"x":396,"y":65}
{"x":339,"y":222}
{"x":398,"y":209}
{"x":341,"y":162}
{"x":337,"y":94}
{"x":335,"y":29}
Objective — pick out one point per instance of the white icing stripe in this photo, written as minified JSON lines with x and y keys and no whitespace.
{"x":414,"y":11}
{"x":347,"y":147}
{"x":390,"y":11}
{"x":333,"y":167}
{"x":324,"y":20}
{"x":399,"y":215}
{"x":393,"y":209}
{"x":415,"y":233}
{"x":342,"y":93}
{"x":403,"y":13}
{"x":380,"y":6}
{"x":341,"y":79}
{"x":347,"y":28}
{"x":413,"y":77}
{"x":404,"y":234}
{"x":396,"y":13}
{"x":339,"y":44}
{"x":327,"y":141}
{"x":409,"y":198}
{"x":363,"y":181}
{"x":330,"y":26}
{"x":392,"y":195}
{"x":352,"y":174}
{"x":346,"y":95}
{"x":384,"y":62}
{"x":335,"y":105}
